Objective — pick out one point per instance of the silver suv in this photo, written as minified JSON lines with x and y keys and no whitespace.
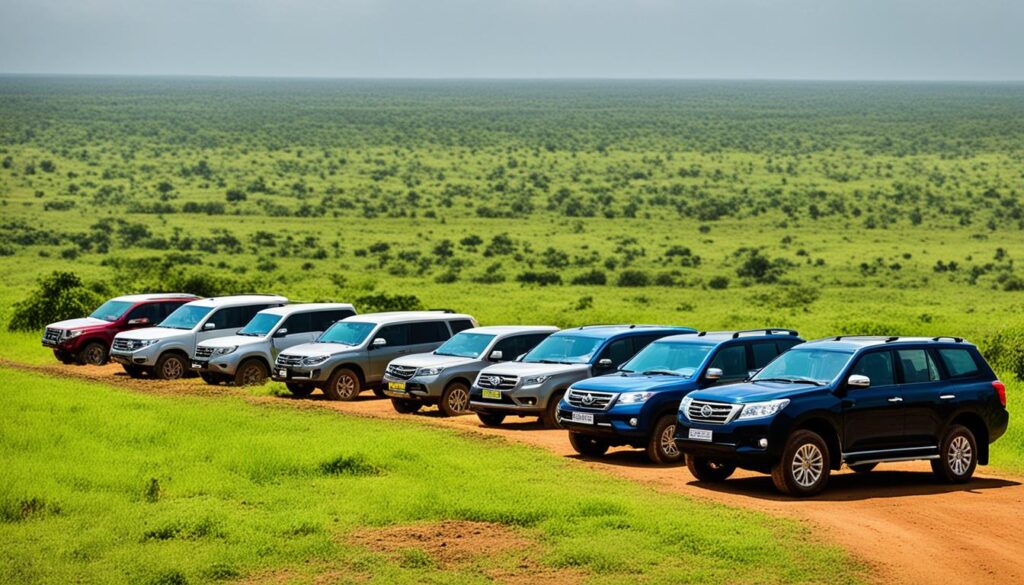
{"x":164,"y":350}
{"x":443,"y":377}
{"x":351,"y":356}
{"x":245,"y":358}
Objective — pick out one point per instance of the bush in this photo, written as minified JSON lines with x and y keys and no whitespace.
{"x":61,"y":295}
{"x":633,"y":278}
{"x":593,"y":277}
{"x":1005,"y":350}
{"x":541,"y":278}
{"x":719,"y":282}
{"x":759,"y":267}
{"x":384,"y":302}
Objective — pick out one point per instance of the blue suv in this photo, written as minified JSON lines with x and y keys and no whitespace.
{"x":637,"y":406}
{"x":854,"y":400}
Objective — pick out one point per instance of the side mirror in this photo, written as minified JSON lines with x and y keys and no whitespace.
{"x":604,"y":364}
{"x":496,"y":355}
{"x":281,"y":332}
{"x":858,"y":381}
{"x":713,"y":374}
{"x":139,"y":321}
{"x":379,"y":342}
{"x":209,"y":326}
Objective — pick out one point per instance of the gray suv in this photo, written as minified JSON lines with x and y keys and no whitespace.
{"x":245,"y":358}
{"x":443,"y":376}
{"x":351,"y":356}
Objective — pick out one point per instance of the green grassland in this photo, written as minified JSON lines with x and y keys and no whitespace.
{"x":103,"y":485}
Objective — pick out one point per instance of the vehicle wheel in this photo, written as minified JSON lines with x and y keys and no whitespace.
{"x":134,"y":371}
{"x":804,"y":469}
{"x":64,"y":357}
{"x":343,"y":384}
{"x":958,"y":456}
{"x":378,"y":391}
{"x":588,"y":446}
{"x":251,"y":372}
{"x":661,"y":447}
{"x":455,"y":399}
{"x":299,"y":389}
{"x":403,"y":406}
{"x":93,"y":354}
{"x":550,"y":416}
{"x":863,"y":467}
{"x":210,"y":378}
{"x":708,"y":470}
{"x":170,"y":366}
{"x":490,"y":419}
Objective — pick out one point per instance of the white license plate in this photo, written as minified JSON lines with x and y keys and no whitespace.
{"x":700,"y":435}
{"x":196,"y":366}
{"x":282,"y":373}
{"x":582,"y":417}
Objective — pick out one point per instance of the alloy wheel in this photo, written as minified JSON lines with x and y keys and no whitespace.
{"x":94,"y":355}
{"x":172,"y":369}
{"x":458,"y":399}
{"x":668,"y":441}
{"x":959,"y":455}
{"x":808,"y":464}
{"x":346,"y":386}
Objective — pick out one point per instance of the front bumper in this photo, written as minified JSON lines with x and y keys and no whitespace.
{"x":217,"y":364}
{"x":613,"y":424}
{"x":735,"y":442}
{"x":314,"y":375}
{"x":146,"y":356}
{"x":524,"y":401}
{"x":422,"y":388}
{"x":66,"y":345}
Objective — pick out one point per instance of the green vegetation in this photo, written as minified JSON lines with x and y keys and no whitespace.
{"x":187,"y":490}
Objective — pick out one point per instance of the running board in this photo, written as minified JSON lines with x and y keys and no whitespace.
{"x":892,"y":459}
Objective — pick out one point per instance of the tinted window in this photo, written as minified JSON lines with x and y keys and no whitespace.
{"x":511,"y":347}
{"x":764,"y":352}
{"x":299,"y":323}
{"x":111,"y":310}
{"x":347,"y":333}
{"x":642,"y":341}
{"x":185,"y":317}
{"x":917,"y":366}
{"x":395,"y":334}
{"x":460,"y":325}
{"x":732,"y":361}
{"x":667,"y":357}
{"x":428,"y":332}
{"x":877,"y":366}
{"x":470,"y":345}
{"x":820,"y":365}
{"x":959,"y":362}
{"x":531,"y":341}
{"x":168,"y":308}
{"x":618,"y":351}
{"x":260,"y":325}
{"x":151,"y":312}
{"x":322,"y":320}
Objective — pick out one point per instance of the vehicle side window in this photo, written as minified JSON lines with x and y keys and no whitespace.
{"x":460,"y":325}
{"x":428,"y":332}
{"x":322,"y":320}
{"x":150,"y":311}
{"x":917,"y":366}
{"x":395,"y":335}
{"x":642,"y":341}
{"x":511,"y":347}
{"x":787,"y":344}
{"x":168,"y":308}
{"x":299,"y":323}
{"x":531,"y":341}
{"x":959,"y":363}
{"x":219,"y":318}
{"x":764,"y":352}
{"x":618,"y":351}
{"x":239,"y":316}
{"x":877,"y":366}
{"x":732,"y":361}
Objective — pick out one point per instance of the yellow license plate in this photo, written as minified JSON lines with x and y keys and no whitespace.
{"x":492,"y":394}
{"x":396,"y":386}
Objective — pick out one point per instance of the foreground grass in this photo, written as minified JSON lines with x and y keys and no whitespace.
{"x":102,"y":486}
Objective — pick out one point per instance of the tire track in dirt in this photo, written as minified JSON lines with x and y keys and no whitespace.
{"x":904,"y":526}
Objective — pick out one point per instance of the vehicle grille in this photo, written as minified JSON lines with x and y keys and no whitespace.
{"x":53,"y":335}
{"x":204,"y":351}
{"x":588,"y":399}
{"x":496,"y":381}
{"x":126,"y":344}
{"x":401,"y":372}
{"x":711,"y":412}
{"x":288,"y":360}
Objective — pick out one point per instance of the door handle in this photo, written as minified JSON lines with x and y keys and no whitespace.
{"x":896,"y":399}
{"x":947,"y":397}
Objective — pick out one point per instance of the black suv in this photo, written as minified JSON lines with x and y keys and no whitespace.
{"x":854,"y":400}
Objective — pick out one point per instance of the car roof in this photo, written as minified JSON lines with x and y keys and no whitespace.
{"x":765,"y":333}
{"x":402,"y":316}
{"x":306,"y":308}
{"x":511,"y":329}
{"x":858,"y":342}
{"x":609,"y":331}
{"x":155,"y":297}
{"x":239,"y":300}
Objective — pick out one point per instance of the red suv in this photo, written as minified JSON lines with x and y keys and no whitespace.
{"x":87,"y":340}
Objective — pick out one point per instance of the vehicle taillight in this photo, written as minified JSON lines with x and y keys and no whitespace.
{"x":1001,"y":391}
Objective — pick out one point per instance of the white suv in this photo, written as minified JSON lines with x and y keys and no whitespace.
{"x":164,"y":350}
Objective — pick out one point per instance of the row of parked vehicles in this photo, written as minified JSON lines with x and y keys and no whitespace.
{"x":762,"y":400}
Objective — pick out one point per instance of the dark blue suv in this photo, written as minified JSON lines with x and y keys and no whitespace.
{"x":854,"y":400}
{"x":638,"y":405}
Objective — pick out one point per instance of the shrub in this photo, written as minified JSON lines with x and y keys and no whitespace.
{"x":235,"y":195}
{"x":1005,"y":350}
{"x":61,"y":295}
{"x":593,"y":277}
{"x":759,"y":267}
{"x":633,"y":278}
{"x":719,"y":282}
{"x":541,"y":278}
{"x":384,"y":302}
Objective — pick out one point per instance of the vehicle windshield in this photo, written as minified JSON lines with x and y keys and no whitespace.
{"x":469,"y":345}
{"x":347,"y":333}
{"x":111,"y":310}
{"x":816,"y":366}
{"x":260,"y":325}
{"x":670,"y":359}
{"x":564,"y":349}
{"x":185,"y":317}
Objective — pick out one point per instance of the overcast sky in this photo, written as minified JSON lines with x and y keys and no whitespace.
{"x":777,"y":39}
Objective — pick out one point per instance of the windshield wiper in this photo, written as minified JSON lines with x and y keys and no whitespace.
{"x":786,"y":380}
{"x":791,"y":381}
{"x":660,"y":373}
{"x":807,"y":381}
{"x":552,"y":362}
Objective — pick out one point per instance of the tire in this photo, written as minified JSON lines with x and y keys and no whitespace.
{"x":344,"y":384}
{"x":958,"y":456}
{"x":403,"y":406}
{"x":134,"y":371}
{"x":708,"y":470}
{"x":661,"y":447}
{"x":299,"y":389}
{"x":251,"y":372}
{"x":93,"y":354}
{"x":588,"y":446}
{"x":170,"y":366}
{"x":378,"y":391}
{"x":550,"y":416}
{"x":863,"y":467}
{"x":491,"y":419}
{"x":455,"y":399}
{"x":64,"y":357}
{"x":210,"y":378}
{"x":804,"y":469}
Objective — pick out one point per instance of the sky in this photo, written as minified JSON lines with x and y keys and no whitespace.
{"x":700,"y":39}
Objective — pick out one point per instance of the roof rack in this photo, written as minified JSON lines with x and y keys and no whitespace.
{"x":956,"y":339}
{"x":449,"y":311}
{"x":766,"y":331}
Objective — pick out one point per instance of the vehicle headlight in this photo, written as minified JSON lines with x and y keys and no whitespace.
{"x":225,"y":350}
{"x":535,"y":380}
{"x":684,"y":406}
{"x":72,"y":333}
{"x":135,"y":344}
{"x":315,"y":360}
{"x":762,"y":409}
{"x":429,"y":371}
{"x":634,"y":397}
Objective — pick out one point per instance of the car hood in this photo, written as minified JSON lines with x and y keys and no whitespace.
{"x":754,"y":392}
{"x":530,"y":369}
{"x":430,"y":360}
{"x":78,"y":323}
{"x":154,"y":333}
{"x":231,"y":340}
{"x":633,"y":383}
{"x":312,"y":349}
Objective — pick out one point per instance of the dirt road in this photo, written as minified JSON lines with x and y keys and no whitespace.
{"x":897,"y":520}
